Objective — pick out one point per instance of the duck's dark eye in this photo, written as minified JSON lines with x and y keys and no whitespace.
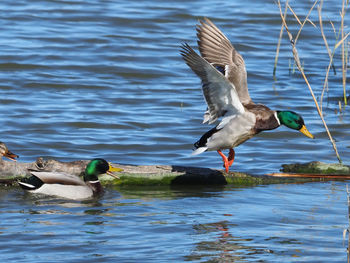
{"x":103,"y":166}
{"x":300,"y":122}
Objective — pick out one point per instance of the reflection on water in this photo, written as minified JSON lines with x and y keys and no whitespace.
{"x":224,"y":248}
{"x":276,"y":223}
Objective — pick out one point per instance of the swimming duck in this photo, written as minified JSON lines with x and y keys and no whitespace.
{"x":67,"y":185}
{"x":224,"y":84}
{"x":4,"y":151}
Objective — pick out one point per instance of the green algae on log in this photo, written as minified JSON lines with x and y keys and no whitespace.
{"x":132,"y":174}
{"x":315,"y":169}
{"x":10,"y":172}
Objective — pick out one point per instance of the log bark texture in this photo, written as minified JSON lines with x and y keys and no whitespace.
{"x":11,"y":171}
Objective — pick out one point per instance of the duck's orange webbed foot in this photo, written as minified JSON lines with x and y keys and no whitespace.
{"x":225,"y":160}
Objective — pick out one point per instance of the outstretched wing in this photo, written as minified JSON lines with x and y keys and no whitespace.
{"x":218,"y":50}
{"x":221,"y":96}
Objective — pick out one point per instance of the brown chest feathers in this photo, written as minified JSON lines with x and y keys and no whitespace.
{"x":266,"y":118}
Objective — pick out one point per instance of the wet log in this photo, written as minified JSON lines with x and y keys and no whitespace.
{"x":11,"y":171}
{"x":316,"y":167}
{"x":330,"y":171}
{"x":15,"y":170}
{"x":303,"y":175}
{"x":131,"y":175}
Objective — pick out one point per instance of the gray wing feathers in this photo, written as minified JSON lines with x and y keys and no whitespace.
{"x":219,"y":93}
{"x":58,"y":178}
{"x":218,"y":50}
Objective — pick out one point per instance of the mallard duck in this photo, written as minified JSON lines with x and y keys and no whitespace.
{"x":67,"y":185}
{"x":224,"y":83}
{"x":4,"y":151}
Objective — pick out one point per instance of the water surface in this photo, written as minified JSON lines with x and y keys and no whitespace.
{"x":276,"y":223}
{"x":85,"y":79}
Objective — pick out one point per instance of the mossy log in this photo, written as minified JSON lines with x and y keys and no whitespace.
{"x":10,"y":172}
{"x":315,"y":170}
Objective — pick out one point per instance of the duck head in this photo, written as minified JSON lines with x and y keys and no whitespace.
{"x":294,"y":121}
{"x":4,"y":151}
{"x":97,"y":167}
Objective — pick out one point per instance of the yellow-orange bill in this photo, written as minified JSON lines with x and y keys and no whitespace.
{"x":114,"y":169}
{"x":306,"y":132}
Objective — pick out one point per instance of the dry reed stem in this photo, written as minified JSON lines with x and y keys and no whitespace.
{"x":305,"y":20}
{"x":341,"y":41}
{"x":343,"y":58}
{"x":331,"y":56}
{"x":295,"y":15}
{"x":297,"y":61}
{"x":282,"y":28}
{"x":325,"y":85}
{"x":279,"y":44}
{"x":324,"y":36}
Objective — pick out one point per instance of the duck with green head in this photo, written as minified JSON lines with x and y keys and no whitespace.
{"x":67,"y":185}
{"x":224,"y":83}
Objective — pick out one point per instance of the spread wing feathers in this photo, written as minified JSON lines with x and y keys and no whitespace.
{"x":218,"y":50}
{"x":58,"y":178}
{"x":220,"y":95}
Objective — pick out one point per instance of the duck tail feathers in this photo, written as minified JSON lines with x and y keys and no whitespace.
{"x":199,"y":150}
{"x":30,"y":183}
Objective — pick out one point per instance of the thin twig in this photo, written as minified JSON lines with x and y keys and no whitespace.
{"x":343,"y":58}
{"x":324,"y":36}
{"x":331,"y":54}
{"x":295,"y":15}
{"x":325,"y":83}
{"x":282,"y":28}
{"x":305,"y":20}
{"x":279,"y":44}
{"x":297,"y":61}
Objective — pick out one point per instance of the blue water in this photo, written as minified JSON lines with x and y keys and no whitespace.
{"x":275,"y":223}
{"x":80,"y":79}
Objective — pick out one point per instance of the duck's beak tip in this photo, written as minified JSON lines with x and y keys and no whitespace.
{"x":304,"y":131}
{"x":112,"y":169}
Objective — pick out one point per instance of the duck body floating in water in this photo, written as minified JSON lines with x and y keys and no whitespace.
{"x":5,"y":152}
{"x":67,"y":185}
{"x":224,"y":83}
